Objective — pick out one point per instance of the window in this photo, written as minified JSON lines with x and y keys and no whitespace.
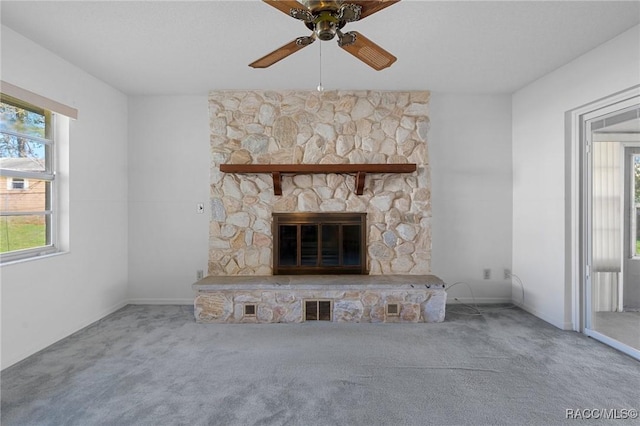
{"x":27,"y":167}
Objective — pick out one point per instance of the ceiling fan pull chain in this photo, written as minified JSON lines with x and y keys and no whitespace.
{"x":320,"y":88}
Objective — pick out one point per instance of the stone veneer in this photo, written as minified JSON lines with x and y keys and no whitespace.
{"x":355,"y":298}
{"x":293,"y":127}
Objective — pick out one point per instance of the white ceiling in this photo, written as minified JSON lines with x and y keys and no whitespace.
{"x":191,"y":47}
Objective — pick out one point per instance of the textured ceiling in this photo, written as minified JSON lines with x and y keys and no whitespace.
{"x":191,"y":47}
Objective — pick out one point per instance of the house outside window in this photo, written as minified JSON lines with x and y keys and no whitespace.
{"x":17,"y":184}
{"x":27,"y":186}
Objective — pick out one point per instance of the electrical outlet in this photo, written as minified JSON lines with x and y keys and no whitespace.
{"x":200,"y":208}
{"x":486,"y":274}
{"x":199,"y":274}
{"x":507,"y":273}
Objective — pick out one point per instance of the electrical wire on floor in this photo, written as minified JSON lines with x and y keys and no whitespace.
{"x":475,"y":309}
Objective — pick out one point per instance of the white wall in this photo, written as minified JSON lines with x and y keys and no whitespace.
{"x":168,"y":175}
{"x":45,"y":300}
{"x":540,"y":164}
{"x":470,"y":156}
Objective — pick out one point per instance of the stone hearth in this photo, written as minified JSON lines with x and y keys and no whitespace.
{"x":353,"y":298}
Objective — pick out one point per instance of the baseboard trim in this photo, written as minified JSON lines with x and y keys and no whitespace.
{"x":567,"y":326}
{"x":146,"y":301}
{"x":477,"y":300}
{"x":82,"y":325}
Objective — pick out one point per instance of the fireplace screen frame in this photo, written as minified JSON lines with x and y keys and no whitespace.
{"x":320,"y":219}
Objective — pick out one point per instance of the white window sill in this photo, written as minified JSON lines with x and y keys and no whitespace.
{"x":32,"y":258}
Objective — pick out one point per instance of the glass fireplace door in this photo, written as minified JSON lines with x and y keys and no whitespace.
{"x":331,"y":243}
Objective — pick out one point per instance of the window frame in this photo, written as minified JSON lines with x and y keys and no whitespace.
{"x":50,"y":211}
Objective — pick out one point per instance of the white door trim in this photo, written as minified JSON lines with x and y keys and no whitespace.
{"x":576,"y":141}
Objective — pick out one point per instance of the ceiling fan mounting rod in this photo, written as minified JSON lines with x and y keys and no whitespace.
{"x":321,"y":5}
{"x":326,"y":15}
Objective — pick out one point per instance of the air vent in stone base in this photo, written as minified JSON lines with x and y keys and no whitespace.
{"x":249,"y":310}
{"x":317,"y":310}
{"x":392,"y":310}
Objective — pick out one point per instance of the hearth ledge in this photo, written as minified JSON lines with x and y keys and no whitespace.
{"x":354,"y":298}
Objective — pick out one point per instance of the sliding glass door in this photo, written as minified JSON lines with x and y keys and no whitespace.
{"x":611,"y":235}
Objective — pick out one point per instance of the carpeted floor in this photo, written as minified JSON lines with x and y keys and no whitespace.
{"x":153,"y":365}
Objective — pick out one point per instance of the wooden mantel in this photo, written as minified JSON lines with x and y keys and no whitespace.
{"x":277,"y":170}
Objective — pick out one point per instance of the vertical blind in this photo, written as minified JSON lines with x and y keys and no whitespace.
{"x":606,"y":224}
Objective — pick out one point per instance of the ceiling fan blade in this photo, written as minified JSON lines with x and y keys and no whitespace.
{"x":282,"y":52}
{"x":369,"y":7}
{"x":285,"y":6}
{"x":366,"y":50}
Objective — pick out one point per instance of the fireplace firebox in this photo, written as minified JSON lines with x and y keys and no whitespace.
{"x":319,"y":243}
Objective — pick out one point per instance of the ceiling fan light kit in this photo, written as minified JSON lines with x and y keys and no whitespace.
{"x":326,"y":19}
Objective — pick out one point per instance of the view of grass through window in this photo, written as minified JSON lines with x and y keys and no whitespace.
{"x":18,"y":233}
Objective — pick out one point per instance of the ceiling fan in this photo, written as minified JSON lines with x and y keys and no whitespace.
{"x":326,"y":19}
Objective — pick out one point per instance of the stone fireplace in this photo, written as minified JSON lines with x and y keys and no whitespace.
{"x":307,"y":127}
{"x":269,"y":227}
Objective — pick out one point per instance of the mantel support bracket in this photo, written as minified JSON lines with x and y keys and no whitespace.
{"x":277,"y":183}
{"x":360,"y":182}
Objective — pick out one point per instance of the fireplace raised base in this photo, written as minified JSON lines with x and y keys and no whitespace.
{"x":339,"y":298}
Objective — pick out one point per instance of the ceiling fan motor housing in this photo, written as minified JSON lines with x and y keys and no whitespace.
{"x":325,"y":30}
{"x":326,"y":21}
